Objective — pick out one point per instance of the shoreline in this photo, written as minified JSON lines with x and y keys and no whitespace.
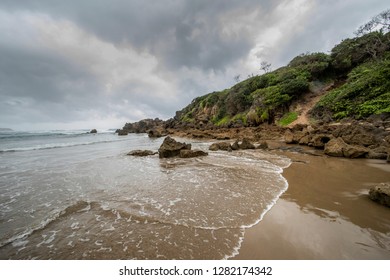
{"x":324,"y":214}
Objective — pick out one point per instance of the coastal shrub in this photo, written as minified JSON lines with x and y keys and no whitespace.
{"x":366,"y":92}
{"x":288,"y":118}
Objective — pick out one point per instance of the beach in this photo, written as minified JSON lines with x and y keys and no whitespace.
{"x":325,"y":213}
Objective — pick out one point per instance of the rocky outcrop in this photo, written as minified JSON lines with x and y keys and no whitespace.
{"x":381,"y":194}
{"x":263,"y":145}
{"x":224,"y":146}
{"x":192,"y":153}
{"x":143,"y":126}
{"x":335,"y":147}
{"x":121,"y":132}
{"x":93,"y":131}
{"x":171,"y":148}
{"x":157,"y":132}
{"x":351,"y":140}
{"x":141,"y":153}
{"x":246,"y":144}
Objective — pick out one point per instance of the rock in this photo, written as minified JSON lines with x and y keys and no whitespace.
{"x":288,"y":137}
{"x":93,"y":131}
{"x":354,"y":151}
{"x":141,"y":153}
{"x":246,"y":144}
{"x":297,"y":136}
{"x":192,"y":153}
{"x":122,"y":132}
{"x":235,"y":146}
{"x":304,"y":140}
{"x":381,"y":194}
{"x":319,"y":140}
{"x":376,"y":155}
{"x":220,"y":146}
{"x":156,"y":133}
{"x":263,"y":145}
{"x":171,"y":148}
{"x":335,"y":147}
{"x":388,"y":156}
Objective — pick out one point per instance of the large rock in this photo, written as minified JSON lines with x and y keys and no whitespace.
{"x":319,"y":140}
{"x":354,"y":151}
{"x":224,"y":146}
{"x":246,"y":144}
{"x":192,"y":153}
{"x":171,"y":148}
{"x":141,"y":153}
{"x":235,"y":146}
{"x":93,"y":131}
{"x":157,"y":132}
{"x":335,"y":147}
{"x":288,"y":137}
{"x":381,"y":194}
{"x":122,"y":132}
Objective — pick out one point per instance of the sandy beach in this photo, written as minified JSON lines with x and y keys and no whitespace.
{"x":325,"y":213}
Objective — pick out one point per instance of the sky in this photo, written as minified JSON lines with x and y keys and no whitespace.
{"x":99,"y":64}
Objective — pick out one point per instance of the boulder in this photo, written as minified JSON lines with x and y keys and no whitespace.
{"x":319,"y":140}
{"x":192,"y":153}
{"x":220,"y":146}
{"x":122,"y":132}
{"x":335,"y":147}
{"x":288,"y":137}
{"x":246,"y":144}
{"x":141,"y":153}
{"x":263,"y":145}
{"x":381,"y":194}
{"x":156,"y":133}
{"x":93,"y":131}
{"x":354,"y":151}
{"x":171,"y":148}
{"x":304,"y":140}
{"x":235,"y":146}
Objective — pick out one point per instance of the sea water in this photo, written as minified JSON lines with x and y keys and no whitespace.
{"x":76,"y":195}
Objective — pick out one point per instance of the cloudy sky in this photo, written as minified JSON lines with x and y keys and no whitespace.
{"x":94,"y":63}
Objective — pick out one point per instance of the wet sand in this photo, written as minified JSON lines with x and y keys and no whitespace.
{"x":325,"y":213}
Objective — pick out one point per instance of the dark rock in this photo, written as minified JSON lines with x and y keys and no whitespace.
{"x":171,"y":148}
{"x":376,"y":155}
{"x":263,"y":145}
{"x":335,"y":147}
{"x":141,"y":153}
{"x":381,"y":194}
{"x":220,"y":146}
{"x":246,"y":144}
{"x":157,"y":132}
{"x":192,"y":153}
{"x":235,"y":146}
{"x":122,"y":132}
{"x":93,"y":131}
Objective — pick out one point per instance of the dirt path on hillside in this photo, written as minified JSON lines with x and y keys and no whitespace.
{"x":308,"y":102}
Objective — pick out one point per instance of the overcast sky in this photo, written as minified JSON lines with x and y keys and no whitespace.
{"x":98,"y":64}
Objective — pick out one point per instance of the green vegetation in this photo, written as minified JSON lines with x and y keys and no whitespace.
{"x":358,"y":67}
{"x":288,"y":118}
{"x":366,"y":92}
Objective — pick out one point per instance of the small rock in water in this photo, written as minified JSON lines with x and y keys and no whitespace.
{"x":93,"y":131}
{"x":381,"y":194}
{"x":141,"y":153}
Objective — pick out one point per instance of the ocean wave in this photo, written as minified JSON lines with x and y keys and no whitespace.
{"x":76,"y":207}
{"x":48,"y":133}
{"x":57,"y":145}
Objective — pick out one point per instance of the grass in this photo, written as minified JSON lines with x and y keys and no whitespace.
{"x":288,"y":118}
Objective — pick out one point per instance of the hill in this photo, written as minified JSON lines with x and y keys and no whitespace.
{"x":352,"y":82}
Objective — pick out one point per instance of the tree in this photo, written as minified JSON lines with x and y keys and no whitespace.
{"x":265,"y":66}
{"x":237,"y":78}
{"x":379,"y":23}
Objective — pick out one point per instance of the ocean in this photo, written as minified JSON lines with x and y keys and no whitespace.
{"x":75,"y":195}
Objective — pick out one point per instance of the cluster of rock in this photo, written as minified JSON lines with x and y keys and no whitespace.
{"x":171,"y":148}
{"x":245,"y":144}
{"x":144,"y":126}
{"x":352,"y":140}
{"x":381,"y":194}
